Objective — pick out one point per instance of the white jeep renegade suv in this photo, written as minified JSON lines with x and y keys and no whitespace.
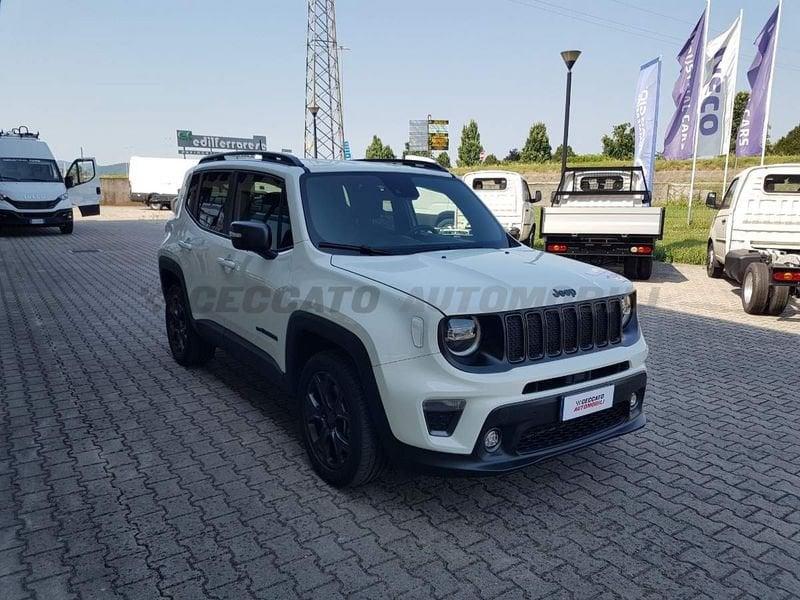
{"x":441,"y":343}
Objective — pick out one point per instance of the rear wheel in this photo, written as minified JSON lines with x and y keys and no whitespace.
{"x":778,"y":299}
{"x":713,"y":268}
{"x":188,"y":348}
{"x":644,"y":268}
{"x":630,"y":267}
{"x":755,"y":289}
{"x":338,"y":434}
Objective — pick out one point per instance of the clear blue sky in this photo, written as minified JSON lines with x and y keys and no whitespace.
{"x":118,"y":77}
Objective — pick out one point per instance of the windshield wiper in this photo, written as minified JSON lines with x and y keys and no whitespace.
{"x":361,"y":249}
{"x":8,"y":178}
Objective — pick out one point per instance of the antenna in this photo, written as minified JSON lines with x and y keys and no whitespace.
{"x":323,"y":108}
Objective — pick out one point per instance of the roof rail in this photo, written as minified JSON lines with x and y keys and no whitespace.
{"x":409,"y":162}
{"x":275,"y":157}
{"x":21,"y":131}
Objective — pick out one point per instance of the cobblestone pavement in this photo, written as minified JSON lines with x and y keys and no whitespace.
{"x":125,"y":475}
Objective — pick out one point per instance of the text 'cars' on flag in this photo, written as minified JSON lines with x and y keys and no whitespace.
{"x":718,"y":92}
{"x":679,"y":140}
{"x":645,"y":126}
{"x":752,"y":131}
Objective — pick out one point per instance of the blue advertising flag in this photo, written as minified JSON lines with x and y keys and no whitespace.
{"x":679,"y":141}
{"x":645,"y":126}
{"x":753,"y":129}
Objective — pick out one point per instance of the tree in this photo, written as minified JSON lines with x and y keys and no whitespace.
{"x":491,"y":159}
{"x":537,"y":147}
{"x":557,"y":153}
{"x":513,"y":156}
{"x":469,"y":151}
{"x":621,"y":143}
{"x":789,"y":145}
{"x":444,"y":160}
{"x":739,"y":104}
{"x":376,"y":149}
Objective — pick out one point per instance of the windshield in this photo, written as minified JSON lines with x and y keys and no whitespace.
{"x":29,"y":169}
{"x":397,"y":213}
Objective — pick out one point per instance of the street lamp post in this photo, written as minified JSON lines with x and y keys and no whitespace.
{"x":314,"y":109}
{"x":570,"y":58}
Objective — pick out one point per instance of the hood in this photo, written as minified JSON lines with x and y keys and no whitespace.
{"x":33,"y":191}
{"x":488,"y":280}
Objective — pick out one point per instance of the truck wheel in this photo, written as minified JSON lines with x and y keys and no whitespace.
{"x":644,"y":268}
{"x":152,"y":204}
{"x":778,"y":299}
{"x":755,"y":288}
{"x":337,"y":432}
{"x":67,"y":227}
{"x":630,"y":267}
{"x":713,"y":268}
{"x":188,"y":348}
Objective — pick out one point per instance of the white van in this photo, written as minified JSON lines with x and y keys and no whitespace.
{"x":507,"y":195}
{"x":32,"y":190}
{"x":156,"y":181}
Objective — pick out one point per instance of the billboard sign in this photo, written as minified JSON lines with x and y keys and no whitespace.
{"x":418,"y":135}
{"x":211,"y":143}
{"x":438,"y":135}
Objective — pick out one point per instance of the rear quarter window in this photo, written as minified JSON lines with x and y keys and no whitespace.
{"x":782,"y":184}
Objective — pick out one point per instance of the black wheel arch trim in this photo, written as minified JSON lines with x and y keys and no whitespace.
{"x":302,"y":322}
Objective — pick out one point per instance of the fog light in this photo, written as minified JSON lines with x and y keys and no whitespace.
{"x":634,"y":400}
{"x":491,"y":441}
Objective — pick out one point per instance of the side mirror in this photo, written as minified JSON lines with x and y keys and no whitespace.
{"x":537,"y":196}
{"x":711,"y":200}
{"x":69,"y":182}
{"x":253,"y":236}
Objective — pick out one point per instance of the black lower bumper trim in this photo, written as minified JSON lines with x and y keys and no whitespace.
{"x":29,"y":219}
{"x":516,"y":420}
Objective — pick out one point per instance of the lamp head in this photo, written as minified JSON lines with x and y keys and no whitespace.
{"x":570,"y":58}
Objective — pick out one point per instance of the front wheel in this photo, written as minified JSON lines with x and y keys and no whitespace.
{"x":713,"y":268}
{"x":755,"y":289}
{"x":67,"y":228}
{"x":337,"y":432}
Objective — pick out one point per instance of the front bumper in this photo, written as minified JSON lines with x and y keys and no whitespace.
{"x":532,"y":431}
{"x":39,"y":218}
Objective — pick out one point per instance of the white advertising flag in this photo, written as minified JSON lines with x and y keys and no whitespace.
{"x":718,"y":92}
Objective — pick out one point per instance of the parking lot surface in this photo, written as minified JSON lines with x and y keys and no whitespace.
{"x":125,"y":475}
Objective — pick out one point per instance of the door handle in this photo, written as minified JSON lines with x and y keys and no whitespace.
{"x":185,"y":245}
{"x":227,"y":263}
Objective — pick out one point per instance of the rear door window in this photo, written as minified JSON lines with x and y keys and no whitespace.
{"x":214,"y":207}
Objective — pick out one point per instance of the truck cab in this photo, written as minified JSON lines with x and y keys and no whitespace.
{"x":604,"y":216}
{"x":32,"y":189}
{"x":508,"y":196}
{"x":755,"y":236}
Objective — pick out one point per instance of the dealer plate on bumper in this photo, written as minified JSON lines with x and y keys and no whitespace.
{"x":586,"y":403}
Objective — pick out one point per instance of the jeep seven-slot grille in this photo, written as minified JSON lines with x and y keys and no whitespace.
{"x":549,"y":332}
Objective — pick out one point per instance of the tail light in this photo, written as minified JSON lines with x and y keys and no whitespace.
{"x":558,"y":248}
{"x":641,"y":249}
{"x":783,"y":276}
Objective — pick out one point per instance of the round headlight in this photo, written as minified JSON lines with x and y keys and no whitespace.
{"x":627,"y":310}
{"x":462,"y":335}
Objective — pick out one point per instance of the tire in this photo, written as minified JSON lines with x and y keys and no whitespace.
{"x":755,"y":288}
{"x":631,"y":268}
{"x":151,"y":203}
{"x":67,"y":228}
{"x":644,"y":268}
{"x":713,"y":268}
{"x":778,"y":299}
{"x":188,"y":348}
{"x":337,"y":432}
